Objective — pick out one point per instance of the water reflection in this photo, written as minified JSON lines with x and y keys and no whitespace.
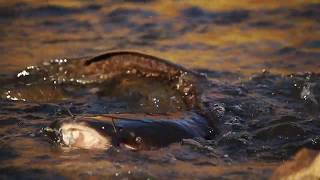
{"x":227,"y":36}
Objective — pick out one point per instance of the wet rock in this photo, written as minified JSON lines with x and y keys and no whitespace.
{"x":305,"y":165}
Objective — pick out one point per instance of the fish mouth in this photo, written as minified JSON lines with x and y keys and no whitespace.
{"x":74,"y":134}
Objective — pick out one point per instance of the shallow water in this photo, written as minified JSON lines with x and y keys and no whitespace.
{"x":254,"y":54}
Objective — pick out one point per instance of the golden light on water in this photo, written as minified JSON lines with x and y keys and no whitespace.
{"x":227,"y":47}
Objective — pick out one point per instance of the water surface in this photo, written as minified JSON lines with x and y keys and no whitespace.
{"x":262,"y":60}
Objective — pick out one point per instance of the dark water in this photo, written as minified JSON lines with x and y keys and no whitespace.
{"x":262,"y":61}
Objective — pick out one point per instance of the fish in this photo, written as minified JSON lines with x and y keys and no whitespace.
{"x":138,"y":131}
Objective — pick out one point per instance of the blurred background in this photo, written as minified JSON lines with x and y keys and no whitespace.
{"x":243,"y":36}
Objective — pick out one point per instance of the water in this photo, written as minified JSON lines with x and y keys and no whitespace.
{"x":261,"y":59}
